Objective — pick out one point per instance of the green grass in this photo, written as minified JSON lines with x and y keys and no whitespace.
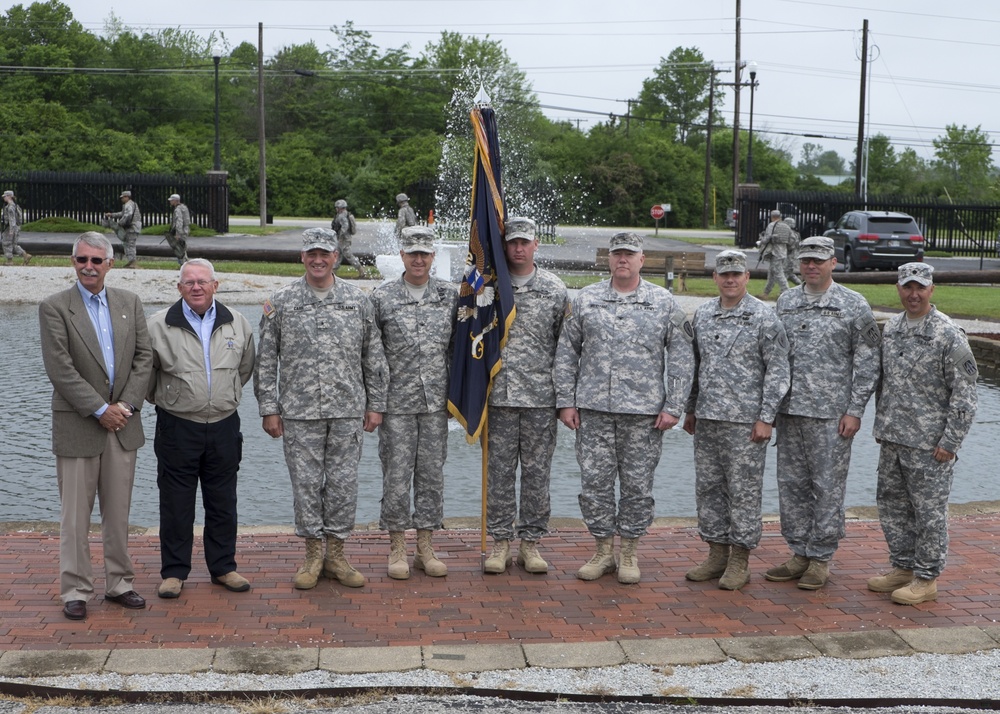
{"x":257,"y":230}
{"x":698,"y":240}
{"x":59,"y":225}
{"x":68,"y":225}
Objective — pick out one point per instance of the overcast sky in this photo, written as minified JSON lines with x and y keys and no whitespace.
{"x":934,"y":63}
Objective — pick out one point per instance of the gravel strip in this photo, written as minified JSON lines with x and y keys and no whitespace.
{"x":971,"y":676}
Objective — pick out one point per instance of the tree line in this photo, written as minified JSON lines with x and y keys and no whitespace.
{"x":362,"y":122}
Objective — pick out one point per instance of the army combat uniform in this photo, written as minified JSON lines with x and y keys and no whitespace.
{"x":834,"y":358}
{"x":127,"y":224}
{"x":11,"y":219}
{"x":341,"y":225}
{"x":522,"y":412}
{"x":332,"y":370}
{"x":180,"y":231}
{"x":778,"y":235}
{"x":413,"y":436}
{"x":621,"y":360}
{"x":742,"y":374}
{"x":927,"y":399}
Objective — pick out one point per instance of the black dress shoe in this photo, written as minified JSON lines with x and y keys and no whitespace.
{"x":75,"y":609}
{"x":132,"y":600}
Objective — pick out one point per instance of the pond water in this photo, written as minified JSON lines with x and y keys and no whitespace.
{"x":28,"y":489}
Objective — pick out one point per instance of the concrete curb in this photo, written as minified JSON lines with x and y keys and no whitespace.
{"x":460,"y":659}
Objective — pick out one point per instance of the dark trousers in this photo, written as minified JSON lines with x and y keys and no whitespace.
{"x":187,"y":453}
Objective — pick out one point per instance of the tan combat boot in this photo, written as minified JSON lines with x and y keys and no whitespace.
{"x":713,"y":567}
{"x":916,"y":592}
{"x":425,"y":559}
{"x":792,"y":569}
{"x":816,"y":575}
{"x":529,"y":559}
{"x":399,"y":569}
{"x":308,"y":575}
{"x":26,"y":258}
{"x":737,"y":571}
{"x":628,"y":566}
{"x":336,"y":566}
{"x":602,"y":562}
{"x":500,"y":557}
{"x":893,"y":580}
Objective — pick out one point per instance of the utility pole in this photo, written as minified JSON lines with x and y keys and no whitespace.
{"x":260,"y":115}
{"x":859,"y":175}
{"x":738,"y":85}
{"x":706,"y":210}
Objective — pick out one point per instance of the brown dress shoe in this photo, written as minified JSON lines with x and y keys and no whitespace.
{"x":75,"y":609}
{"x":132,"y":600}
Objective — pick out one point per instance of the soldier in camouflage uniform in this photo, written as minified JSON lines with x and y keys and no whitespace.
{"x":792,"y":261}
{"x":776,"y":238}
{"x":742,"y":374}
{"x":12,"y":218}
{"x":180,"y":228}
{"x":623,"y":371}
{"x":320,"y":381}
{"x":406,"y":216}
{"x":925,"y":404}
{"x":835,"y":365}
{"x":522,"y":407}
{"x":127,"y":224}
{"x":416,"y":315}
{"x":345,"y":227}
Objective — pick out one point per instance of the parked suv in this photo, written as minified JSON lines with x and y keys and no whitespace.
{"x":876,"y":239}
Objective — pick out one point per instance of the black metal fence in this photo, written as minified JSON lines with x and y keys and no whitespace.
{"x":959,"y":229}
{"x":87,"y":196}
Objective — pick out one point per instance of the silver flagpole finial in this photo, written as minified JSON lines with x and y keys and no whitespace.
{"x":482,"y":98}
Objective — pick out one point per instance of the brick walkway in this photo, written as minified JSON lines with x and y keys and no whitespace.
{"x":468,"y":606}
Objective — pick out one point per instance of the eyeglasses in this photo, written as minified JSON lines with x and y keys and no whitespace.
{"x":84,"y":259}
{"x":200,"y":283}
{"x":813,"y":261}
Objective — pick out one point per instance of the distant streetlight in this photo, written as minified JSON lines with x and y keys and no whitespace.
{"x":218,"y":145}
{"x":752,"y":67}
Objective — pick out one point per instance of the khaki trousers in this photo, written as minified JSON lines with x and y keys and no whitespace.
{"x":108,"y":476}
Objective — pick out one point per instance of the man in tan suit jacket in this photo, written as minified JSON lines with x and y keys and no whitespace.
{"x":97,"y":355}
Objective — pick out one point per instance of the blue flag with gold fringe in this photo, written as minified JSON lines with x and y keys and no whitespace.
{"x":486,"y":296}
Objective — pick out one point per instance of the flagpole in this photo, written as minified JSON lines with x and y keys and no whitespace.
{"x":484,"y":440}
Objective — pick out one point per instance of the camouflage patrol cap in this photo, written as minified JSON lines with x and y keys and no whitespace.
{"x":174,"y":197}
{"x":625,"y":241}
{"x":790,"y":222}
{"x":340,"y":203}
{"x":402,"y":198}
{"x":921,"y":272}
{"x":126,"y":194}
{"x":520,"y":228}
{"x":731,"y":261}
{"x":319,"y":239}
{"x":8,"y":193}
{"x":417,"y":239}
{"x":819,"y":247}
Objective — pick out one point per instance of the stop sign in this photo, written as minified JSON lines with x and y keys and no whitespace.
{"x":656,"y":211}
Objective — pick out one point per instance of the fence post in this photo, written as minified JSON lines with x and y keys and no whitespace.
{"x":218,"y":201}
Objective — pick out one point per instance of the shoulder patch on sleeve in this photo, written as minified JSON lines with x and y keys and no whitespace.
{"x":870,"y":332}
{"x":964,"y":362}
{"x":682,"y":322}
{"x":776,"y":333}
{"x":268,"y":309}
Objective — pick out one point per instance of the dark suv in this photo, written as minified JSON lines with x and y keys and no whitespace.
{"x":876,"y":239}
